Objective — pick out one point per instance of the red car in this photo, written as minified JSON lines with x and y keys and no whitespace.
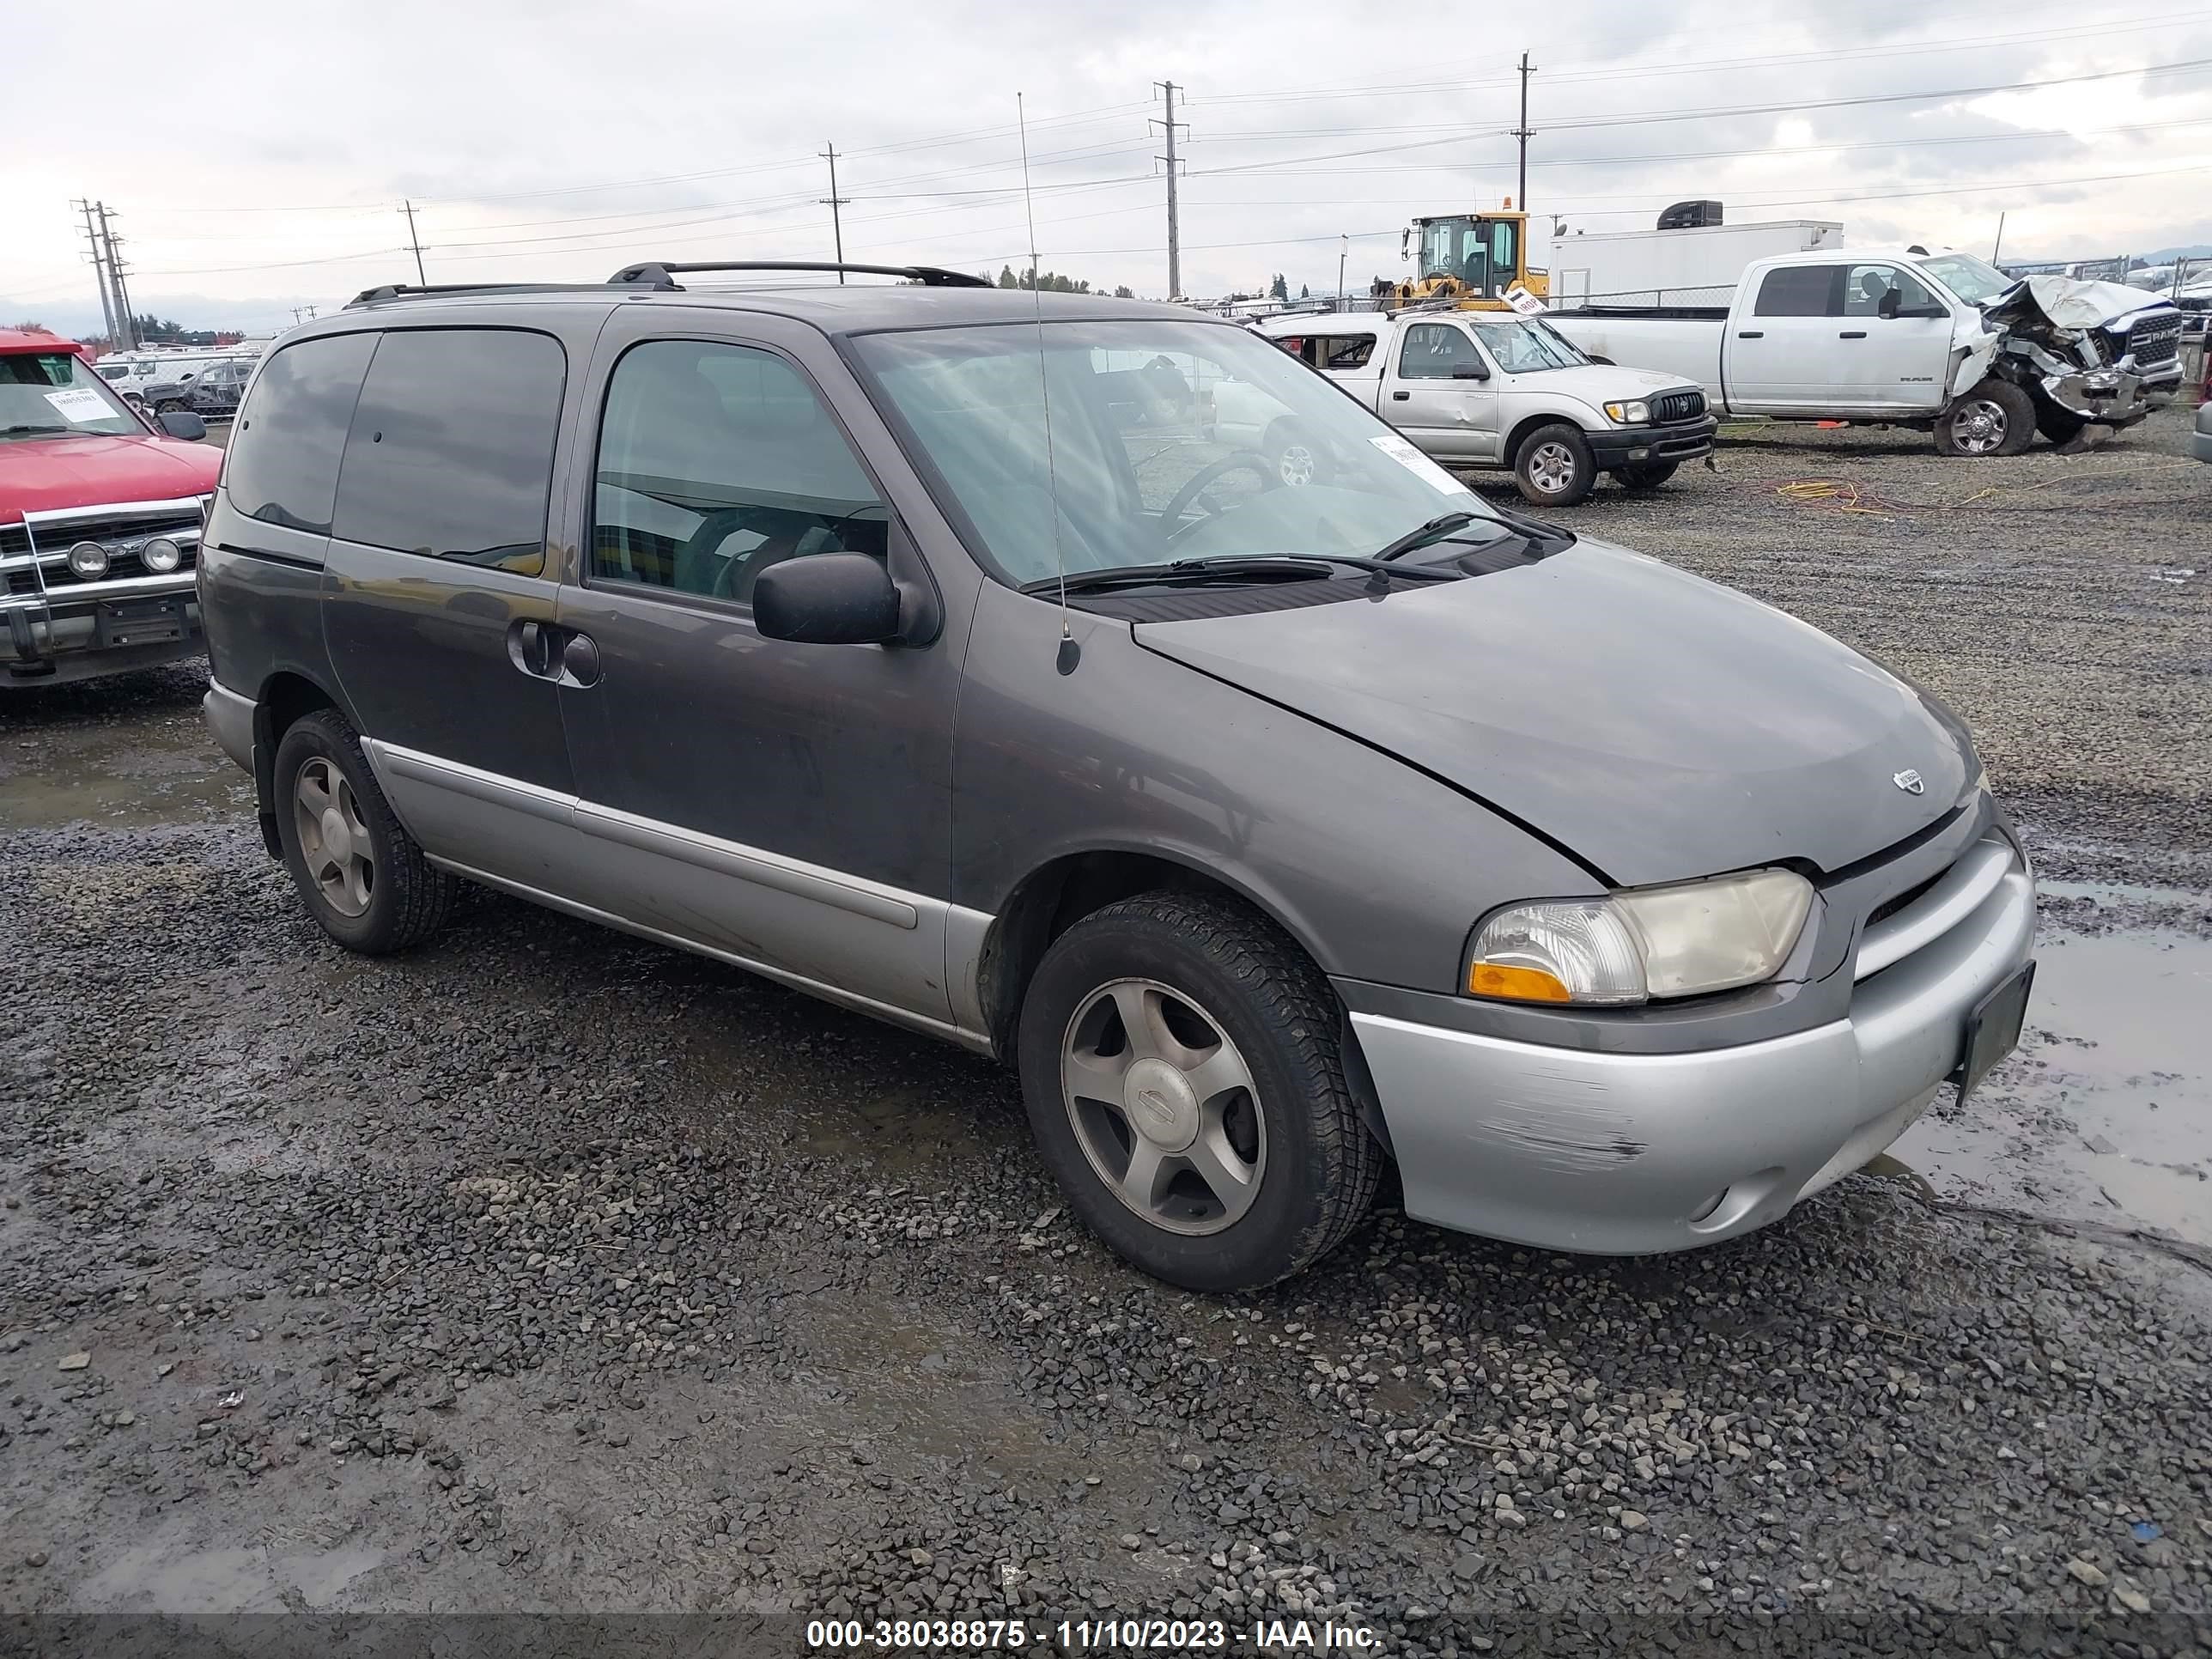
{"x":99,"y":519}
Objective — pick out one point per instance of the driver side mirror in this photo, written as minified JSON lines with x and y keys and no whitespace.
{"x":1924,"y":312}
{"x":1470,"y":372}
{"x":179,"y":423}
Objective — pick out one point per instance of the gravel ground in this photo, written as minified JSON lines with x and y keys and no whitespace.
{"x":547,"y":1271}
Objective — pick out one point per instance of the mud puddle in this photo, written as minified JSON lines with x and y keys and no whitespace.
{"x":2104,"y":1112}
{"x":128,"y":753}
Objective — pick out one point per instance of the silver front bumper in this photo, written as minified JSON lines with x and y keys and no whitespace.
{"x":1625,"y":1154}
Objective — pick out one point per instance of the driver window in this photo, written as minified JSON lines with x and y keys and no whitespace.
{"x":1865,"y":287}
{"x":716,"y":461}
{"x":1432,"y":350}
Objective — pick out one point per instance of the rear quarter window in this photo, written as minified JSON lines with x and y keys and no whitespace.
{"x":451,"y":454}
{"x":282,"y":465}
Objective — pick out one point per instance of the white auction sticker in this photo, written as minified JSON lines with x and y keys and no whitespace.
{"x":80,"y":403}
{"x":1416,"y":463}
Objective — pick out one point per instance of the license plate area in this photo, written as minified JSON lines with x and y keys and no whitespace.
{"x":141,"y":622}
{"x":1993,"y":1029}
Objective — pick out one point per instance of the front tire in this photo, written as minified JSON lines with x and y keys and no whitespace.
{"x":1996,"y":418}
{"x":1554,"y":467}
{"x":1181,"y":1064}
{"x":361,"y":875}
{"x":1649,"y":476}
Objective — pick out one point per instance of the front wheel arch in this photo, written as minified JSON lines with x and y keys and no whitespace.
{"x":1060,"y":892}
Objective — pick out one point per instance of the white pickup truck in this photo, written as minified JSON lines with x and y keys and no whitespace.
{"x":1943,"y":341}
{"x":1483,"y":389}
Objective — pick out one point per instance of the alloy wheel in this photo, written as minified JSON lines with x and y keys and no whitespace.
{"x":1980,"y":426}
{"x":334,"y":840}
{"x":1552,"y":468}
{"x":1164,"y":1106}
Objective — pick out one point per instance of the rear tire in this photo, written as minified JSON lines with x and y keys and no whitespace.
{"x":1649,"y":476}
{"x":1236,"y":1033}
{"x":1996,"y":418}
{"x":1554,"y":466}
{"x":360,"y":875}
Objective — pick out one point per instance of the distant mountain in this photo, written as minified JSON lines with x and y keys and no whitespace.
{"x":2166,"y":256}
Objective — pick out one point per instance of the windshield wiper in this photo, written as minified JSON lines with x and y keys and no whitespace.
{"x":1434,"y":531}
{"x":50,"y":431}
{"x":1261,"y":567}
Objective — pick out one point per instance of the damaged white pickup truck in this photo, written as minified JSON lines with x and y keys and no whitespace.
{"x":1942,"y":342}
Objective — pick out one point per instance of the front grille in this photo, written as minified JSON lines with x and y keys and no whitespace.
{"x":37,"y":551}
{"x":2155,"y":340}
{"x":1912,"y":921}
{"x":1669,"y":407}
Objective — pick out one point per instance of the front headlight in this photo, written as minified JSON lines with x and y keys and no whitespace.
{"x":1654,"y":942}
{"x":1638,"y":413}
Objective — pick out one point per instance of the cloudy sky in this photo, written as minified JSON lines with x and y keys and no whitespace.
{"x":262,"y":162}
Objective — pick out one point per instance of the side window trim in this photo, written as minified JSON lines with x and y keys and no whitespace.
{"x":590,"y":444}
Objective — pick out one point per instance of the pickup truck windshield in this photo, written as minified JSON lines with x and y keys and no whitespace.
{"x":1169,"y":441}
{"x":50,"y":394}
{"x":1973,"y":280}
{"x":1523,"y":348}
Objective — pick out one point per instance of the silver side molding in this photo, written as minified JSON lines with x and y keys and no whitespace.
{"x":896,"y":1015}
{"x":763,"y":869}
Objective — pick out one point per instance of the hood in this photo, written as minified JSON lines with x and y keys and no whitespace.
{"x":1658,"y":726}
{"x":2065,"y":302}
{"x":40,"y":474}
{"x":1600,"y":382}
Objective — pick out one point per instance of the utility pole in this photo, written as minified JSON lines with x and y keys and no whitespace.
{"x":127,"y":319}
{"x":834,"y":202}
{"x":99,"y":271}
{"x":1997,"y":246}
{"x":1522,"y":131}
{"x":1175,"y":232}
{"x":415,"y":242}
{"x":1343,"y":253}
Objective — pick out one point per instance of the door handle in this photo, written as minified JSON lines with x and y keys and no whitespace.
{"x":1852,"y":334}
{"x":1401,"y":397}
{"x":1751,"y":334}
{"x":530,"y":648}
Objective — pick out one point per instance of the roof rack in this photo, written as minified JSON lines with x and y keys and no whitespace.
{"x":661,"y":273}
{"x":659,"y":276}
{"x":385,"y":291}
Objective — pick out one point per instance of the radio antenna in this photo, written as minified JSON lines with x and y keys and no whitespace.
{"x":1070,"y":651}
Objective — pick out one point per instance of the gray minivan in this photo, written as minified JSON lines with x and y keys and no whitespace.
{"x":916,"y":645}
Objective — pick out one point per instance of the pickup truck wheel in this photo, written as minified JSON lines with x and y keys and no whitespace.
{"x":1554,"y":466}
{"x":1649,"y":476}
{"x":1180,"y":1063}
{"x":362,"y":877}
{"x":1296,"y":458}
{"x":1996,"y":418}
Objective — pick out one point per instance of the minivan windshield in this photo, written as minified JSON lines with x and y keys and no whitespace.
{"x":51,"y":394}
{"x":1170,"y":440}
{"x":1975,"y":280}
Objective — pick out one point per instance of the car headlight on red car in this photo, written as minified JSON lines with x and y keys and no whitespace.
{"x":1645,"y":944}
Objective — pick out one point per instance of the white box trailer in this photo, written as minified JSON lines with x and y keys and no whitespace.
{"x":1698,"y":266}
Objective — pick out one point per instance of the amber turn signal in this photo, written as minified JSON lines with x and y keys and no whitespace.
{"x":1489,"y":979}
